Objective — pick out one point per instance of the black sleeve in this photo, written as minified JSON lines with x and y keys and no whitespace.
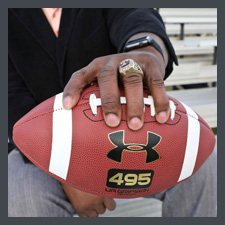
{"x":124,"y":23}
{"x":20,"y":100}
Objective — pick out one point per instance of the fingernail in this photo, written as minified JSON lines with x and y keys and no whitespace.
{"x":67,"y":102}
{"x":162,"y":117}
{"x":135,"y":123}
{"x":112,"y":120}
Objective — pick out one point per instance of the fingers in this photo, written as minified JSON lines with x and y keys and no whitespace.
{"x":156,"y":86}
{"x":74,"y":88}
{"x":105,"y":71}
{"x":92,"y":213}
{"x":82,"y":214}
{"x":97,"y":209}
{"x":133,"y":87}
{"x":78,"y":81}
{"x":100,"y":208}
{"x":109,"y":203}
{"x":110,"y":95}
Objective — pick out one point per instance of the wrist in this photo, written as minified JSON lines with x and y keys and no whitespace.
{"x":154,"y":45}
{"x":151,"y":50}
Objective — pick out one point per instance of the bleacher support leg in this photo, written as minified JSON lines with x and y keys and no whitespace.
{"x":215,"y":56}
{"x":182,"y":31}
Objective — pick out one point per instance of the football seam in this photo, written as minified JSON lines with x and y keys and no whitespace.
{"x":87,"y":98}
{"x":87,"y":103}
{"x":84,"y":188}
{"x":44,"y":113}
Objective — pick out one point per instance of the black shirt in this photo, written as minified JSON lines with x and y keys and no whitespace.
{"x":40,"y":64}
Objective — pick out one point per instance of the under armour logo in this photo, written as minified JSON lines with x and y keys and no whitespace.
{"x":117,"y":138}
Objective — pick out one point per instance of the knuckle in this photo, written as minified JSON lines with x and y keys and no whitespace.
{"x":148,"y":59}
{"x":80,"y":209}
{"x":95,"y":61}
{"x":109,"y":103}
{"x":107,"y":69}
{"x":102,"y":210}
{"x":68,"y":89}
{"x":106,"y":73}
{"x":84,"y":207}
{"x":97,"y":201}
{"x":132,"y":79}
{"x":71,"y":85}
{"x":155,"y":80}
{"x":147,"y":56}
{"x":163,"y":105}
{"x":82,"y":72}
{"x":80,"y":78}
{"x":135,"y":107}
{"x":93,"y":214}
{"x":76,"y":74}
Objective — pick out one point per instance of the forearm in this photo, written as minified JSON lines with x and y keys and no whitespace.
{"x":128,"y":24}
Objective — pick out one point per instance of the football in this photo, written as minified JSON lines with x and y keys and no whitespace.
{"x":78,"y":148}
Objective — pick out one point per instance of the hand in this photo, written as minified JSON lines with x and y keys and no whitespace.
{"x":104,"y":70}
{"x":88,"y":205}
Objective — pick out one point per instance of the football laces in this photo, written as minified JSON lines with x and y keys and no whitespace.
{"x":95,"y":102}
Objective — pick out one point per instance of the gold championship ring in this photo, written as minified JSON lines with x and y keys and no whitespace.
{"x":128,"y":66}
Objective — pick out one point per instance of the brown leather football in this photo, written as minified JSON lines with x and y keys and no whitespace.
{"x":78,"y":148}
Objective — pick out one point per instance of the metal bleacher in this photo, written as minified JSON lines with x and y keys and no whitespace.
{"x":196,"y":52}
